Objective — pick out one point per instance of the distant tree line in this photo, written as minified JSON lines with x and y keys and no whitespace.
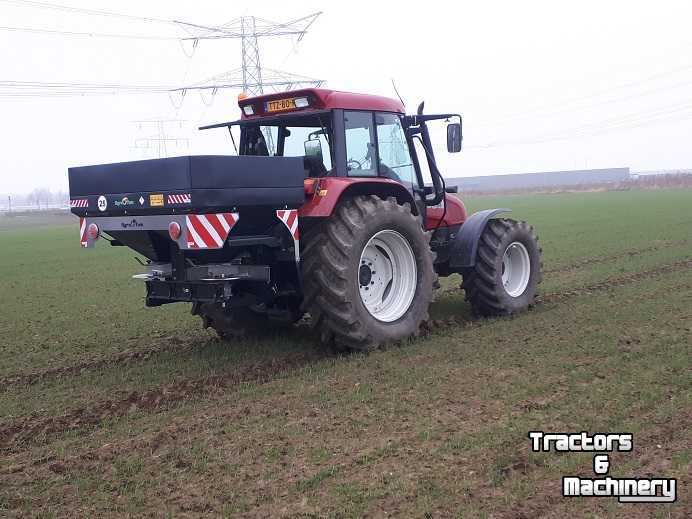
{"x":39,"y":198}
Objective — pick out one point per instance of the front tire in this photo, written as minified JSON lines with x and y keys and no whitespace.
{"x":367,"y":274}
{"x":507,"y":271}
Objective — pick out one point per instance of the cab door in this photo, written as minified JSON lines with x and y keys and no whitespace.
{"x":376,"y":145}
{"x":395,"y":160}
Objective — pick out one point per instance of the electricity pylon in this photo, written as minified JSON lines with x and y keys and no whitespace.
{"x":251,"y":77}
{"x":160,"y":140}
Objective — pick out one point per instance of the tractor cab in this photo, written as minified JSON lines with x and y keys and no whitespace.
{"x":345,"y":135}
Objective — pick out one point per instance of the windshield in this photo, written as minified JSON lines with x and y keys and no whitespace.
{"x":309,"y":137}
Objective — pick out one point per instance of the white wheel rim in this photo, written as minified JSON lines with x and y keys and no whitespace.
{"x":516,"y":269}
{"x":387,"y":276}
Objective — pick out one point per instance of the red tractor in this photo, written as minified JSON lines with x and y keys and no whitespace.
{"x":325,"y":209}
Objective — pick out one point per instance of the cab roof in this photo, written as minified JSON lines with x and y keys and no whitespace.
{"x":322,"y":99}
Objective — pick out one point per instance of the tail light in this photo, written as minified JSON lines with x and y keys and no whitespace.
{"x":174,"y":230}
{"x":94,"y":231}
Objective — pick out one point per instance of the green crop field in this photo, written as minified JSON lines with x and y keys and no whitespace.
{"x":108,"y":408}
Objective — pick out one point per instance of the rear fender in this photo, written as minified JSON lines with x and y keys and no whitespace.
{"x":328,"y":191}
{"x":462,"y":252}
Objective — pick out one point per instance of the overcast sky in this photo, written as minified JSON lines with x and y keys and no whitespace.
{"x":542,"y":85}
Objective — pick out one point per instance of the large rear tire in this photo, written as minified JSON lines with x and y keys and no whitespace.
{"x":367,"y":274}
{"x":507,"y":270}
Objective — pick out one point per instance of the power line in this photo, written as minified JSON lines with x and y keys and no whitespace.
{"x":80,"y":10}
{"x":591,"y":106}
{"x":560,"y":105}
{"x":251,"y":77}
{"x":665,"y":114}
{"x":53,"y":89}
{"x":260,"y":28}
{"x":216,"y":33}
{"x":233,"y":79}
{"x":37,"y":30}
{"x":232,"y":29}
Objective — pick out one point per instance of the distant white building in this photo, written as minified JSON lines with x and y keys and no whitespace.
{"x":549,"y":179}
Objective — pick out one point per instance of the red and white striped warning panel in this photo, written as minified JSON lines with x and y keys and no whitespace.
{"x":80,"y":203}
{"x":209,"y":231}
{"x":290,"y":220}
{"x":184,"y":198}
{"x":83,"y":232}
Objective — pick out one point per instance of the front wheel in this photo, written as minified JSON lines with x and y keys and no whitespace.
{"x":507,"y":270}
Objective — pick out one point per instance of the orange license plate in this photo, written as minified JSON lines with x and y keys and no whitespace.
{"x":280,"y":105}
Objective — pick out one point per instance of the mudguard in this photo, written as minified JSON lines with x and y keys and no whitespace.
{"x":328,"y":191}
{"x":462,"y":251}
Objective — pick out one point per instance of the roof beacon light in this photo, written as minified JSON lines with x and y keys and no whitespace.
{"x":302,"y":102}
{"x":247,"y":110}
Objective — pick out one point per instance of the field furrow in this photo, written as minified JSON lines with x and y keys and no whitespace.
{"x":170,"y":344}
{"x":39,"y":428}
{"x":626,"y":254}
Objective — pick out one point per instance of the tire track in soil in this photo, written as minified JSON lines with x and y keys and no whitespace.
{"x":33,"y":428}
{"x":600,"y":286}
{"x":630,"y":253}
{"x":30,"y":378}
{"x":615,"y":281}
{"x":585,"y":262}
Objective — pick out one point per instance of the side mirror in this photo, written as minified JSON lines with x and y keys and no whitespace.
{"x":313,"y":148}
{"x":454,"y":137}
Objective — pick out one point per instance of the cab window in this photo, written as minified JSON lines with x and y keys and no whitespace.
{"x":360,"y":144}
{"x":294,"y":139}
{"x":394,"y":156}
{"x":281,"y":140}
